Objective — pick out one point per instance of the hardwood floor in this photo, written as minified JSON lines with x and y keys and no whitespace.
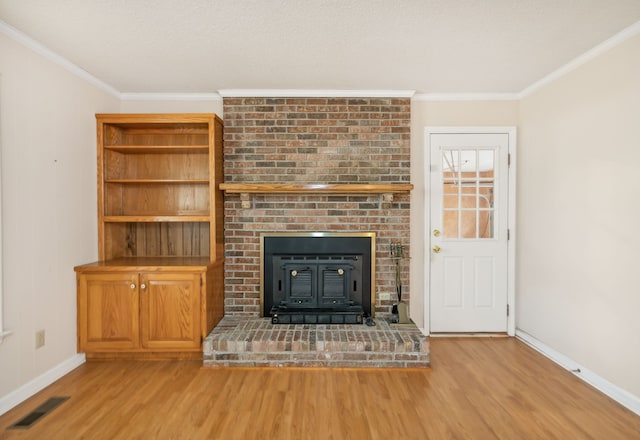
{"x":477,"y":388}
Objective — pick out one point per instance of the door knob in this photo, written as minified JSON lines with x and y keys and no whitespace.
{"x":436,"y":249}
{"x":436,"y":233}
{"x":143,"y":286}
{"x":133,"y":286}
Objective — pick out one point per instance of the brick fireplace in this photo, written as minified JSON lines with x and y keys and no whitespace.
{"x":319,"y":141}
{"x":315,"y":143}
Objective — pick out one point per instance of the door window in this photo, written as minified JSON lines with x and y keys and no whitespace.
{"x":468,"y":186}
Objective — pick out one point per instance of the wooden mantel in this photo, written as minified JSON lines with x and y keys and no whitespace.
{"x":317,"y":188}
{"x":386,"y":190}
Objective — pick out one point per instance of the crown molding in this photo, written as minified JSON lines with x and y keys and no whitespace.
{"x":601,"y":48}
{"x":126,"y":96}
{"x":465,"y":97}
{"x":314,"y":93}
{"x":47,"y":53}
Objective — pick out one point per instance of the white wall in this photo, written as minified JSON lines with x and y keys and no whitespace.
{"x":440,"y":113}
{"x":49,"y":207}
{"x":47,"y":136}
{"x":579,"y":215}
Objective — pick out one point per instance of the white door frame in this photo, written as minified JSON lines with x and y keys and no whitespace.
{"x":511,"y":221}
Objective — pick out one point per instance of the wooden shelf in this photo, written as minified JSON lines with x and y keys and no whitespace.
{"x":155,"y":218}
{"x":316,"y":188}
{"x":159,"y":181}
{"x":146,"y":149}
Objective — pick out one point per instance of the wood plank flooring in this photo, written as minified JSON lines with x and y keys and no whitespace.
{"x":477,"y":388}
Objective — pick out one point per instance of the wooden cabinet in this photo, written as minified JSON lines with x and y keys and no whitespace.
{"x":170,"y":310}
{"x":108,"y":310}
{"x":158,"y":284}
{"x":137,"y":307}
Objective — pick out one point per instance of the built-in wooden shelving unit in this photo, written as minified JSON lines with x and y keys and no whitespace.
{"x":157,"y":289}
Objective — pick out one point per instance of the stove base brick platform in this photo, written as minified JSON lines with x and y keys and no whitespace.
{"x":255,"y":342}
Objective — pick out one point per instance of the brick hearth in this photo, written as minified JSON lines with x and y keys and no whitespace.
{"x":253,"y":342}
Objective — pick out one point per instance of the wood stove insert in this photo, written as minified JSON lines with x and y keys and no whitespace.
{"x":317,"y":278}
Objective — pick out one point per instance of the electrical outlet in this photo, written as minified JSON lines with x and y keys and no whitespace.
{"x":385,"y":296}
{"x":39,"y":338}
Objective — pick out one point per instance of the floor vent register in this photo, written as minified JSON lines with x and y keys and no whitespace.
{"x":37,"y":414}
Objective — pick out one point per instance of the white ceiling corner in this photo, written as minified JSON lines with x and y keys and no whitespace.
{"x":615,"y":40}
{"x":54,"y":57}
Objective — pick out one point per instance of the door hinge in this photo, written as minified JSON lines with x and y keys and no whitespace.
{"x":508,"y":234}
{"x":201,"y":281}
{"x":507,"y":309}
{"x":509,"y":159}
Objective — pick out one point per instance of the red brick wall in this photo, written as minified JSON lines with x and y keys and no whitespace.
{"x":314,"y":140}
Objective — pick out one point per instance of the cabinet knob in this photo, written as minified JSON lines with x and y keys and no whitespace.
{"x":143,"y":286}
{"x":133,"y":286}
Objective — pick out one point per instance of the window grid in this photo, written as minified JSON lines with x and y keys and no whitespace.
{"x":468,"y":188}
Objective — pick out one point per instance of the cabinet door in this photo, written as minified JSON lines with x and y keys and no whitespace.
{"x":108,"y":311}
{"x":170,"y":310}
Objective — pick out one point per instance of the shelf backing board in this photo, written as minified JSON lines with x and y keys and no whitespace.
{"x":139,"y":199}
{"x":155,"y":133}
{"x":157,"y":239}
{"x":135,"y":164}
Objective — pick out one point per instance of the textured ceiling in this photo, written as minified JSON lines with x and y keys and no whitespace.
{"x":431,"y":46}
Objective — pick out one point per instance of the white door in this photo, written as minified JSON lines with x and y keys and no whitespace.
{"x":468,"y":238}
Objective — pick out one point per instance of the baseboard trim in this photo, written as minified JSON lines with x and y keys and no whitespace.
{"x":618,"y":394}
{"x":470,"y":335}
{"x":27,"y":390}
